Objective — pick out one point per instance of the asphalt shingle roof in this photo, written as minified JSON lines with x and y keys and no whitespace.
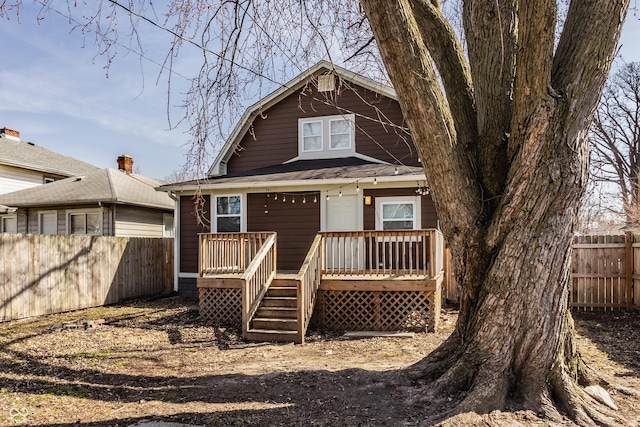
{"x":103,"y":185}
{"x":312,"y":171}
{"x":27,"y":155}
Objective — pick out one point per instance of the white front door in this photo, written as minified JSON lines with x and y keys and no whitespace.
{"x":343,"y":215}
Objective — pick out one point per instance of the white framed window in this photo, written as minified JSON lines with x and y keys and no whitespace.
{"x":227,"y":214}
{"x":311,"y":135}
{"x":167,"y":221}
{"x":340,"y":134}
{"x":48,"y":222}
{"x":327,"y":136}
{"x":398,"y":213}
{"x":85,"y":222}
{"x":8,"y":223}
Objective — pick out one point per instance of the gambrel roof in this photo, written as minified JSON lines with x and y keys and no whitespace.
{"x":219,"y":165}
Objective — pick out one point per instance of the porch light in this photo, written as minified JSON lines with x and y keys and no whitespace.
{"x":395,"y":172}
{"x":304,"y":199}
{"x":340,"y":193}
{"x":375,"y":181}
{"x":357,"y":188}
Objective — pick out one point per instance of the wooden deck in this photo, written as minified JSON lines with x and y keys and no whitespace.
{"x":350,"y":281}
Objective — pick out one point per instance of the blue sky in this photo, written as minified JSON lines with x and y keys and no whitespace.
{"x":56,"y":92}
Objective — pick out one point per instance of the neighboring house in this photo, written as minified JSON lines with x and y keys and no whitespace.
{"x":105,"y":202}
{"x":329,"y":151}
{"x":24,"y":164}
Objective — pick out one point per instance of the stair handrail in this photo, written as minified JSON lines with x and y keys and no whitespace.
{"x":228,"y":253}
{"x":308,"y":281}
{"x":257,"y":277}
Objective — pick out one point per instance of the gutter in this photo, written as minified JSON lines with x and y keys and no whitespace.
{"x":176,"y":241}
{"x":293,"y":183}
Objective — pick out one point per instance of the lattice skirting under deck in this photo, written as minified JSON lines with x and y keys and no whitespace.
{"x":340,"y":310}
{"x":221,"y":306}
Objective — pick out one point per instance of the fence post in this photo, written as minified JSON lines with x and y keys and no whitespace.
{"x":628,"y":240}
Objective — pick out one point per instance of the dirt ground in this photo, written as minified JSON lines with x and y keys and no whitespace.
{"x":157,"y":361}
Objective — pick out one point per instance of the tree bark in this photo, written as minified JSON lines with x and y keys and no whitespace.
{"x":510,"y":213}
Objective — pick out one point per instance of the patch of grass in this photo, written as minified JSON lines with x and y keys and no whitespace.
{"x":93,"y":355}
{"x":69,"y":390}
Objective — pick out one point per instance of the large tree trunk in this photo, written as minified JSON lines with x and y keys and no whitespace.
{"x":509,"y":130}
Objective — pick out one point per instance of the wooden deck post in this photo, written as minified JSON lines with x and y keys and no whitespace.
{"x":628,"y":240}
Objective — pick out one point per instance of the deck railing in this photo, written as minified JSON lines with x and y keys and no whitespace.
{"x":223,"y":253}
{"x":308,"y":281}
{"x":257,"y":278}
{"x":398,"y":252}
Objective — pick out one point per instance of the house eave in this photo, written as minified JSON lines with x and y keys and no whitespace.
{"x":318,"y":183}
{"x":37,"y":168}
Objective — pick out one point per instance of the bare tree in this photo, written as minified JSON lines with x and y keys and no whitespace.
{"x":615,"y":137}
{"x":501,"y":127}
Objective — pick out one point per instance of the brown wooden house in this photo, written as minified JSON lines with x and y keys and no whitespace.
{"x":318,"y":193}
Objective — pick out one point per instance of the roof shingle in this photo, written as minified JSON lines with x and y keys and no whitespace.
{"x":27,"y":155}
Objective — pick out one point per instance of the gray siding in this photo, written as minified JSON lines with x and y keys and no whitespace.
{"x":132,"y":221}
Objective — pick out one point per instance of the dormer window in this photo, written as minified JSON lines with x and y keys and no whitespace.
{"x":340,"y":134}
{"x":312,"y":136}
{"x":327,"y":137}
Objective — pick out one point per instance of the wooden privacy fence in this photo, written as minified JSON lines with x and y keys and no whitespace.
{"x":46,"y":274}
{"x":605,"y":272}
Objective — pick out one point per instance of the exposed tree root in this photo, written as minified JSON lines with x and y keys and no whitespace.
{"x":464,"y":387}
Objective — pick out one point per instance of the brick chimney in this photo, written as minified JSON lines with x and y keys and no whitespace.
{"x":125,"y":163}
{"x":10,"y":133}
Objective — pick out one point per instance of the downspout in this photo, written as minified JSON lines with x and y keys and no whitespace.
{"x":176,"y":241}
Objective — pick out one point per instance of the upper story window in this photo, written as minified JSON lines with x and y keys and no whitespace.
{"x":312,"y":136}
{"x":228,"y":214}
{"x":8,"y":224}
{"x":340,"y":136}
{"x":327,"y":136}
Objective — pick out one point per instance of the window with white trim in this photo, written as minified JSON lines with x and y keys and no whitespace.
{"x":327,"y":136}
{"x":340,"y":134}
{"x":48,"y":222}
{"x":228,"y":214}
{"x":312,"y":136}
{"x":167,"y":221}
{"x":87,"y":222}
{"x":8,"y":224}
{"x":397,"y":213}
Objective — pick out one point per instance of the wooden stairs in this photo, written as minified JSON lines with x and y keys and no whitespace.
{"x":277,"y":316}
